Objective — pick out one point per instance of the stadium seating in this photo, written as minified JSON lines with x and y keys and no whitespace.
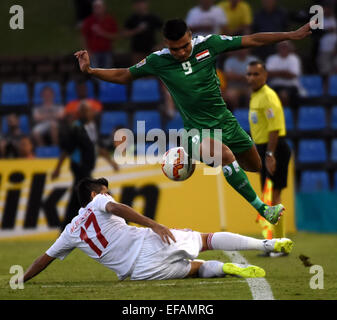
{"x":14,"y":94}
{"x":333,"y":156}
{"x":333,"y":123}
{"x":175,"y":123}
{"x":313,"y":85}
{"x":71,"y":93}
{"x":242,"y":116}
{"x":151,"y":118}
{"x":306,"y":126}
{"x":313,"y":181}
{"x":289,"y":118}
{"x":311,"y":118}
{"x":145,"y":90}
{"x":112,"y":119}
{"x":39,"y":86}
{"x":112,"y":93}
{"x":23,"y":124}
{"x":332,"y":90}
{"x":312,"y":151}
{"x":47,"y":152}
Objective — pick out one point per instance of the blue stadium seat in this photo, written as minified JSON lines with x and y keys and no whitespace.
{"x":112,"y":119}
{"x":242,"y":116}
{"x":145,"y":90}
{"x":313,"y":85}
{"x":71,"y":93}
{"x":151,"y":118}
{"x":111,"y":93}
{"x":175,"y":123}
{"x":47,"y":152}
{"x":311,"y":118}
{"x":313,"y":181}
{"x":14,"y":94}
{"x":23,"y":124}
{"x":333,"y":123}
{"x":333,"y":85}
{"x":289,"y":118}
{"x":312,"y":151}
{"x":39,"y":86}
{"x":333,"y":156}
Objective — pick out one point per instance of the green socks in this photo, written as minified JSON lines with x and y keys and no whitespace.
{"x":238,"y":179}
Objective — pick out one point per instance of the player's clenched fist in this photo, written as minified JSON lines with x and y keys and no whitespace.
{"x":83,"y":60}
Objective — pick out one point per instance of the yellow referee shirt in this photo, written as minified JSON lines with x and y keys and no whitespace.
{"x":265,"y":115}
{"x":240,"y":16}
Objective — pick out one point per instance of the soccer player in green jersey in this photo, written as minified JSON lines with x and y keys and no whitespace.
{"x":187,"y":68}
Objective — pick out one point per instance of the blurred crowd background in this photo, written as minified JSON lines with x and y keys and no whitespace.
{"x":42,"y":90}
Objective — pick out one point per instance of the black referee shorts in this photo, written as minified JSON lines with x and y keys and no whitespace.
{"x":282,"y":155}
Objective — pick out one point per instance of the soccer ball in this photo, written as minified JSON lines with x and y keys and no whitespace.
{"x":177,"y":165}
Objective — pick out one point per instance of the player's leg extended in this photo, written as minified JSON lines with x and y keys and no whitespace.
{"x":217,"y":269}
{"x":233,"y":242}
{"x":249,"y":160}
{"x":228,"y":241}
{"x":236,"y":177}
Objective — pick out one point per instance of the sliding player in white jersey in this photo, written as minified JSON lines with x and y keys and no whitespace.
{"x":151,"y":253}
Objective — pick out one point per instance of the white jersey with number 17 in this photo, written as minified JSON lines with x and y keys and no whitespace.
{"x":102,"y":236}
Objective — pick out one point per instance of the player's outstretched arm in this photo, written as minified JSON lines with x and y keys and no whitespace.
{"x":130,"y":215}
{"x":37,"y":266}
{"x":121,"y":75}
{"x":266,"y":38}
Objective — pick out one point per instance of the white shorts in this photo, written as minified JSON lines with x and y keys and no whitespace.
{"x":160,"y":261}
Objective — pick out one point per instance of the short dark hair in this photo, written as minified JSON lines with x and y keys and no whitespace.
{"x":174,"y":29}
{"x":256,"y":63}
{"x":86,"y":186}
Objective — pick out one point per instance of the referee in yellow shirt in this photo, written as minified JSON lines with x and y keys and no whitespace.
{"x":268,"y":130}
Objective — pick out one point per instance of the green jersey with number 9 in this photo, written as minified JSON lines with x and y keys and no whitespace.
{"x":193,"y":84}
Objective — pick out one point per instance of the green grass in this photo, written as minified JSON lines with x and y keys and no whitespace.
{"x":79,"y":277}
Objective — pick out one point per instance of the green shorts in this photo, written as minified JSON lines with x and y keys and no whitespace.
{"x":231,"y":134}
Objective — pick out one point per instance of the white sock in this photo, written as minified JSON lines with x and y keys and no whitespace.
{"x":233,"y":242}
{"x":211,"y":269}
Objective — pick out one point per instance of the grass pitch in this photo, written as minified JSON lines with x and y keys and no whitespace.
{"x":79,"y":277}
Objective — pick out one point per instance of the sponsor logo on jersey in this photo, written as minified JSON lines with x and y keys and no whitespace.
{"x":253,"y":117}
{"x":202,"y":55}
{"x":141,"y":63}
